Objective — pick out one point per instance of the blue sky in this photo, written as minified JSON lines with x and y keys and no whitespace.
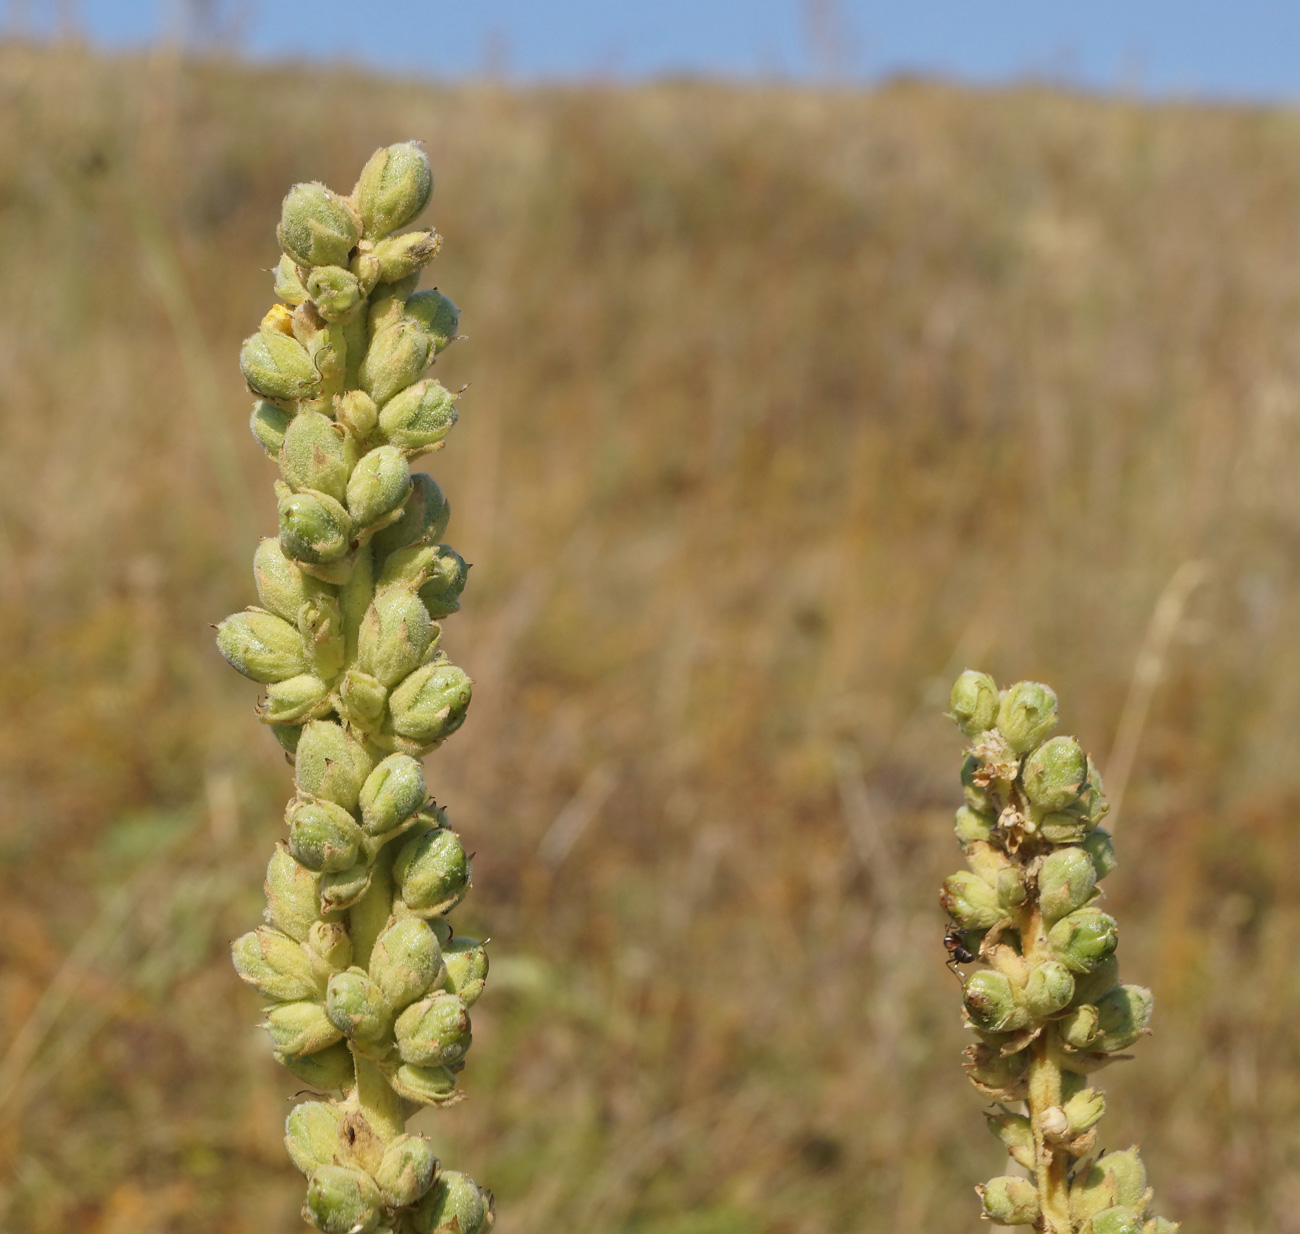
{"x":1247,"y":49}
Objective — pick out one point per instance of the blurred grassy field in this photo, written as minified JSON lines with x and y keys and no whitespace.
{"x":786,"y":406}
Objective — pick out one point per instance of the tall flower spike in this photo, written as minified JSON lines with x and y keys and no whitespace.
{"x":1049,"y":1010}
{"x":366,"y":989}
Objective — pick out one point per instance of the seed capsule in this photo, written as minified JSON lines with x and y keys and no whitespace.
{"x":314,"y":527}
{"x":322,"y":836}
{"x":342,"y":1201}
{"x":405,"y":963}
{"x":1061,"y":827}
{"x":317,"y":227}
{"x":396,"y":357}
{"x":392,"y":793}
{"x":466,"y":963}
{"x":1009,"y":1201}
{"x":970,"y":901}
{"x":1083,"y":939}
{"x":356,"y":411}
{"x":357,"y":1008}
{"x":311,"y":1134}
{"x":1049,"y":988}
{"x":275,"y":965}
{"x":300,"y":1028}
{"x":1123,"y":1014}
{"x":281,"y":586}
{"x":1067,"y":880}
{"x":362,"y":699}
{"x":991,"y":1003}
{"x":395,"y":635}
{"x":419,"y":417}
{"x":317,"y":454}
{"x":434,"y":1032}
{"x":437,"y":315}
{"x":379,"y":484}
{"x":432,"y":871}
{"x":394,"y":188}
{"x":1015,"y":1131}
{"x":431,"y":703}
{"x":971,"y":826}
{"x":973,"y":703}
{"x":262,"y":646}
{"x":331,"y":764}
{"x":334,"y":291}
{"x":329,"y":947}
{"x":268,"y":424}
{"x":424,"y":518}
{"x":1084,"y":1110}
{"x":277,"y":366}
{"x":406,"y":1171}
{"x":1055,"y":773}
{"x":1026,"y":714}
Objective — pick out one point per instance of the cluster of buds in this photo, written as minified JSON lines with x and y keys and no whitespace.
{"x":367,"y":988}
{"x":1048,"y":1009}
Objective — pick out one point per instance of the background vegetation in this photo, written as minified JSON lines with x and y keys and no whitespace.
{"x":786,"y":407}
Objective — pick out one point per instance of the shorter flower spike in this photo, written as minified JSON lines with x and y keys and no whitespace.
{"x":1048,"y":1009}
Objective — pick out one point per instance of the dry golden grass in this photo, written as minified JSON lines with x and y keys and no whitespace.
{"x":786,"y":407}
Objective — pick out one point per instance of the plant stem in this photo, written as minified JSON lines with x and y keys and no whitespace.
{"x":381,"y":1106}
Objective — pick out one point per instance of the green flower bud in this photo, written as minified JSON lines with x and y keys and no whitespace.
{"x":394,"y":188}
{"x":396,"y":358}
{"x":362,"y":699}
{"x":408,"y":569}
{"x":455,"y":1205}
{"x":1092,"y":987}
{"x":991,"y":1003}
{"x":334,"y":291}
{"x":317,"y":454}
{"x":1079,"y":1029}
{"x":288,"y":286}
{"x":300,"y":1028}
{"x":357,"y":1008}
{"x":1064,"y":828}
{"x":262,"y":646}
{"x":269,"y":424}
{"x":1098,"y":846}
{"x":970,"y":901}
{"x":301,"y":698}
{"x":1067,"y":880}
{"x":1114,"y":1221}
{"x":342,"y":1201}
{"x":329,"y":946}
{"x":331,"y":764}
{"x":972,"y":826}
{"x":1130,"y":1177}
{"x":292,"y":895}
{"x":320,"y":623}
{"x":432,"y":871}
{"x":434,"y":1032}
{"x":322,"y":836}
{"x":314,"y":527}
{"x":430,"y":704}
{"x":405,"y":962}
{"x":1015,"y":1132}
{"x":1026,"y":714}
{"x":438,"y":316}
{"x":1082,"y":939}
{"x":277,"y":366}
{"x":1084,"y":1110}
{"x":392,"y":793}
{"x":317,"y":227}
{"x":327,"y":1069}
{"x":406,"y":1171}
{"x":281,"y":586}
{"x":395,"y":635}
{"x":441,"y":594}
{"x":1055,"y":773}
{"x":466,"y":962}
{"x":356,"y":411}
{"x":1049,"y":988}
{"x":998,"y":1077}
{"x":311,"y":1134}
{"x":366,"y":266}
{"x":1123,"y":1014}
{"x":399,"y":257}
{"x":380,"y":483}
{"x":275,"y":965}
{"x":1010,"y":887}
{"x":1009,"y":1201}
{"x":419,"y":417}
{"x":341,"y":890}
{"x":974,"y":703}
{"x":424,"y":518}
{"x":427,"y":1085}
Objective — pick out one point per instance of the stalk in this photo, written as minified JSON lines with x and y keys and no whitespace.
{"x":366,"y":985}
{"x":1047,"y":1010}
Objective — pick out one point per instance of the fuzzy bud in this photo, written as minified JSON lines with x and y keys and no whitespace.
{"x":1117,"y":1220}
{"x":292,"y":895}
{"x":406,"y":1171}
{"x":268,"y":424}
{"x":438,"y":316}
{"x":288,"y":286}
{"x":972,"y":826}
{"x":300,"y":1028}
{"x":1123,"y":1016}
{"x":379,"y":484}
{"x":432,"y":871}
{"x":1016,"y":1134}
{"x":356,"y":1006}
{"x":440,"y":595}
{"x":394,"y":188}
{"x":1080,"y":1028}
{"x":399,"y":257}
{"x":334,"y":291}
{"x":275,"y":965}
{"x":262,"y":646}
{"x":426,"y":1085}
{"x":311,"y":1134}
{"x":419,"y":417}
{"x":331,"y":764}
{"x":396,"y":357}
{"x":991,"y":1003}
{"x":1049,"y":988}
{"x":392,"y":793}
{"x":455,"y":1205}
{"x":1061,"y":827}
{"x":277,"y":366}
{"x":1055,"y":773}
{"x":317,"y":227}
{"x":1083,"y":939}
{"x":405,"y":963}
{"x":434,"y":1032}
{"x":430,"y":704}
{"x":1067,"y":880}
{"x":1083,"y":1111}
{"x":281,"y":586}
{"x":1009,"y":1201}
{"x":466,"y":963}
{"x":322,"y":836}
{"x":362,"y":699}
{"x":970,"y":901}
{"x":424,"y":518}
{"x":355,"y":410}
{"x":395,"y":635}
{"x":1026,"y":714}
{"x":341,"y":1200}
{"x":973,"y":703}
{"x":342,"y":889}
{"x":295,"y":700}
{"x":1099,"y":847}
{"x":317,"y":454}
{"x":329,"y":946}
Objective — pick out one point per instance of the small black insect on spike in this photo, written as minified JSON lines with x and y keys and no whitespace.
{"x":958,"y":952}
